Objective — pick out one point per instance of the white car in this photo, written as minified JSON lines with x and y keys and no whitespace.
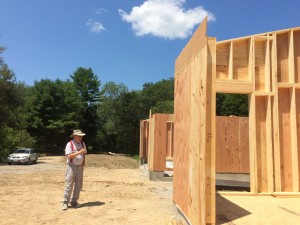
{"x":23,"y":155}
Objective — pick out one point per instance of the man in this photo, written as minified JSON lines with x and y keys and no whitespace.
{"x":75,"y":151}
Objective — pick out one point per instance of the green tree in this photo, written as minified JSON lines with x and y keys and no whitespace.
{"x":52,"y":112}
{"x":157,"y":96}
{"x":87,"y":86}
{"x":108,"y":115}
{"x":11,"y":113}
{"x":232,"y":104}
{"x":163,"y":107}
{"x":128,"y":114}
{"x":120,"y":114}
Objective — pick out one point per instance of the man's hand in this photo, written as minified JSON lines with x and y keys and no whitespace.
{"x":73,"y":155}
{"x":81,"y":151}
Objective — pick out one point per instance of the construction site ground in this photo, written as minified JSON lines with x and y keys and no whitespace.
{"x":116,"y":191}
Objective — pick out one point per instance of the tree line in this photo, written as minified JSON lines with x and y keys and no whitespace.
{"x":43,"y":116}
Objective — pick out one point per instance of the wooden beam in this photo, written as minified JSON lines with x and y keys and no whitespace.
{"x":252,"y":144}
{"x":294,"y":144}
{"x":291,"y":60}
{"x":267,"y":66}
{"x":237,"y":87}
{"x":276,"y":137}
{"x":230,"y":64}
{"x":269,"y":144}
{"x":210,"y":154}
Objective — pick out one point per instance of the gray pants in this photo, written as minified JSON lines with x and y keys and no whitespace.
{"x":74,"y":178}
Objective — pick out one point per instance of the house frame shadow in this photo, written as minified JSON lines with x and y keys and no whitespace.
{"x":92,"y":204}
{"x":227,"y":211}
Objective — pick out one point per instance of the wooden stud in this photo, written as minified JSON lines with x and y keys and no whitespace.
{"x":291,"y":60}
{"x":252,"y":144}
{"x":237,"y":87}
{"x":269,"y":144}
{"x":230,"y":64}
{"x":294,"y":144}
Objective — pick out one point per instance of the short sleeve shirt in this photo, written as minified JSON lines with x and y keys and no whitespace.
{"x":78,"y":160}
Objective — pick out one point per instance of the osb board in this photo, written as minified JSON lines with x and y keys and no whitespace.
{"x":232,"y":144}
{"x":284,"y":105}
{"x":194,"y":165}
{"x":159,"y":140}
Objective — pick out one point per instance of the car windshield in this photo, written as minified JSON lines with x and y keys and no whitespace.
{"x":26,"y":151}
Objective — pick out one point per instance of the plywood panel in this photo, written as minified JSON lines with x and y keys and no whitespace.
{"x":221,"y":139}
{"x":244,"y":144}
{"x":143,"y":140}
{"x":182,"y":108}
{"x":170,"y":140}
{"x":194,"y":189}
{"x":160,"y":141}
{"x":284,"y":105}
{"x":297,"y":55}
{"x":261,"y":144}
{"x":232,"y":144}
{"x":282,"y":57}
{"x":241,"y":59}
{"x":151,"y":143}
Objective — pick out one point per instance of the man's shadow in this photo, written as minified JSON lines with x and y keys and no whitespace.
{"x":90,"y":204}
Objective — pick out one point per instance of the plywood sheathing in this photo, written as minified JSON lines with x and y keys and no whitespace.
{"x":157,"y":151}
{"x":194,"y":129}
{"x":144,"y":134}
{"x":232,"y":147}
{"x":170,"y":140}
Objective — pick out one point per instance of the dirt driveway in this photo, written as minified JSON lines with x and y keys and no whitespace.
{"x":114,"y":192}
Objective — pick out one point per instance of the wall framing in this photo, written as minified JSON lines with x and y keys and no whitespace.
{"x":267,"y":68}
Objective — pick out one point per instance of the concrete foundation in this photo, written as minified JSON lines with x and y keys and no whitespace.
{"x":236,"y":182}
{"x":156,"y":175}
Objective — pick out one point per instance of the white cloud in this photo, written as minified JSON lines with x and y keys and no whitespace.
{"x":100,"y":11}
{"x":165,"y":18}
{"x":95,"y":27}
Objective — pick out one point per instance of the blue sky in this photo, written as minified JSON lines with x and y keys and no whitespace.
{"x":125,"y":41}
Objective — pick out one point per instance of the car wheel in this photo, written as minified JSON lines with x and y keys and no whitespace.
{"x":9,"y":163}
{"x":28,"y":162}
{"x":35,"y":161}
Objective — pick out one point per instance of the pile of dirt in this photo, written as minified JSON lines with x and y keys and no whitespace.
{"x":116,"y":161}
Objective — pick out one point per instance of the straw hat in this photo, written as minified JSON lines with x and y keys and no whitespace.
{"x":78,"y":133}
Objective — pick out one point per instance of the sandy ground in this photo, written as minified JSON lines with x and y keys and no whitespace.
{"x":114,"y":192}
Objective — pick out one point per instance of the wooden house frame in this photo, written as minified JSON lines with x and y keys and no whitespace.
{"x":155,"y":144}
{"x":266,"y":67}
